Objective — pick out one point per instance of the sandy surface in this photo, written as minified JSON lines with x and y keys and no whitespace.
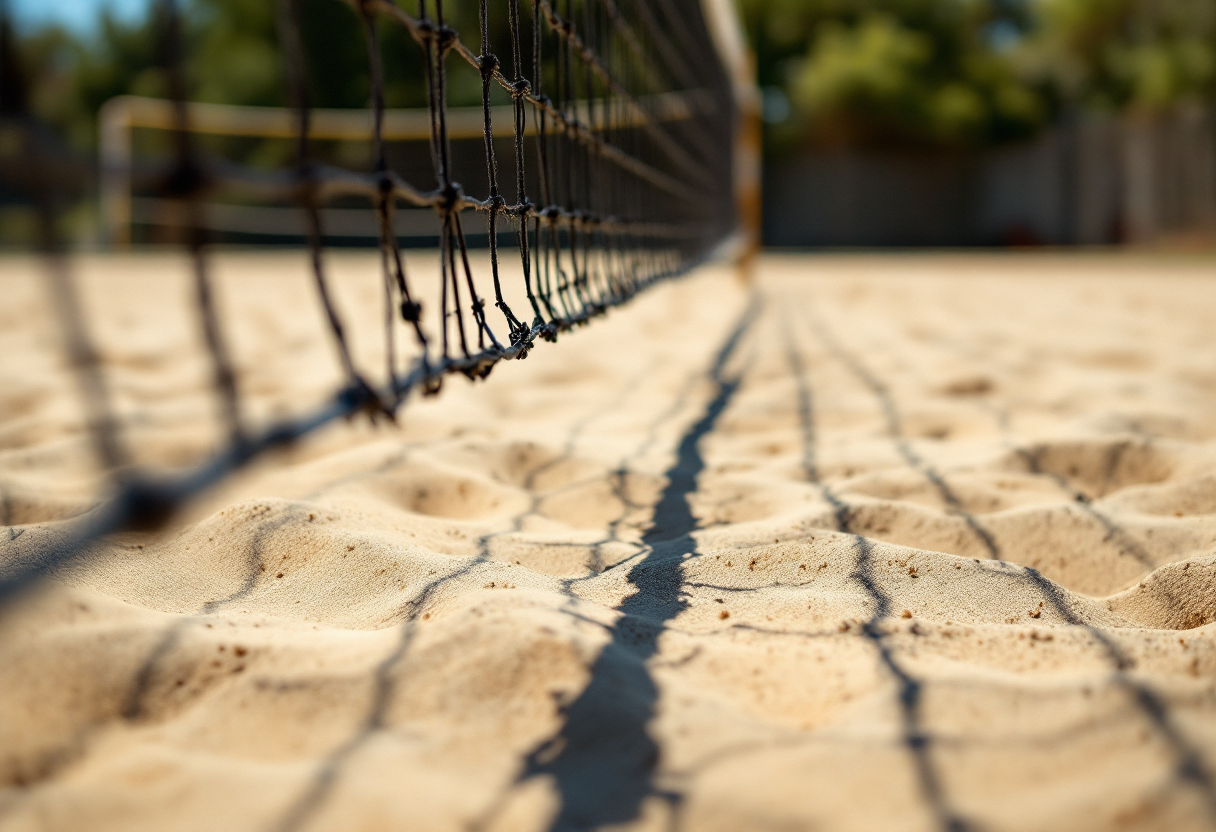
{"x":893,"y":543}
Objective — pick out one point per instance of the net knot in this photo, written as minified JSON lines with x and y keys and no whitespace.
{"x":449,"y":198}
{"x":497,"y":203}
{"x":521,"y":338}
{"x":521,"y":88}
{"x":488,"y":63}
{"x":445,"y":39}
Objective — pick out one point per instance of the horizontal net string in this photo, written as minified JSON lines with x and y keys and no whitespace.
{"x":622,"y":124}
{"x":325,"y":184}
{"x":569,"y":123}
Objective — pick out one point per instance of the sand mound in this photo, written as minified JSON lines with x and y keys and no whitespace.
{"x":925,"y":543}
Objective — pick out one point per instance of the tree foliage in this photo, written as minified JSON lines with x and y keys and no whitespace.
{"x":974,"y":72}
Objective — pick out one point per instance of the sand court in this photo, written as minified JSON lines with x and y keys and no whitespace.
{"x":883,"y":542}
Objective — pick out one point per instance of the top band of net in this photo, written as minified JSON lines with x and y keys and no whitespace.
{"x":623,"y":134}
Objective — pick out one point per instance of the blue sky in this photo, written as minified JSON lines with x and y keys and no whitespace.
{"x":79,"y":15}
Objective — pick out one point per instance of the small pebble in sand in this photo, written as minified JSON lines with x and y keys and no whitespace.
{"x":724,"y":614}
{"x":906,"y":613}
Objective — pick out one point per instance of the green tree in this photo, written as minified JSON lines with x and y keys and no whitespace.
{"x":905,"y":72}
{"x":1113,"y":54}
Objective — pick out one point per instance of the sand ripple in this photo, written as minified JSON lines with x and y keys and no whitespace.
{"x":922,"y":544}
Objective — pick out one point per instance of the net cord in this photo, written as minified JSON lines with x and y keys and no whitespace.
{"x":577,"y":263}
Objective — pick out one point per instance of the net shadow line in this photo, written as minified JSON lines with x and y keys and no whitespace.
{"x":895,"y":431}
{"x":1190,"y":767}
{"x":567,"y":453}
{"x":143,"y":501}
{"x":1124,"y":541}
{"x":620,"y":482}
{"x":619,"y":490}
{"x":133,"y":710}
{"x":325,"y":779}
{"x":602,"y":759}
{"x":735,"y":751}
{"x":1031,"y":456}
{"x":914,"y":735}
{"x":841,"y":513}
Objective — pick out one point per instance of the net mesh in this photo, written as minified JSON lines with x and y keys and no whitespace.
{"x":619,"y":176}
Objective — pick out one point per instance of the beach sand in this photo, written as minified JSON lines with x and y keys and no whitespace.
{"x":885,"y":543}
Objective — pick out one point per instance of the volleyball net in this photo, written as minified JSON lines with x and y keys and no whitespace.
{"x":616,"y":151}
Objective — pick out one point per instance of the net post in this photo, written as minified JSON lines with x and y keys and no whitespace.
{"x":727,"y":32}
{"x":748,"y":175}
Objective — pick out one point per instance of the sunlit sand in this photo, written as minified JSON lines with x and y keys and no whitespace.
{"x":890,"y":542}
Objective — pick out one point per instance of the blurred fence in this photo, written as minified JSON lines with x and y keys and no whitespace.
{"x":1095,"y":180}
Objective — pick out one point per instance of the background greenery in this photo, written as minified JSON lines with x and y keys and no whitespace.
{"x":972,"y":72}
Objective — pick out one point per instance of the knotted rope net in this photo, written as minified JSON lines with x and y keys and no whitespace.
{"x":619,"y":177}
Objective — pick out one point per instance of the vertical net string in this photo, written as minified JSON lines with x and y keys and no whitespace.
{"x":488,"y":63}
{"x":606,"y":205}
{"x":520,"y":89}
{"x":293,"y":53}
{"x":185,"y":184}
